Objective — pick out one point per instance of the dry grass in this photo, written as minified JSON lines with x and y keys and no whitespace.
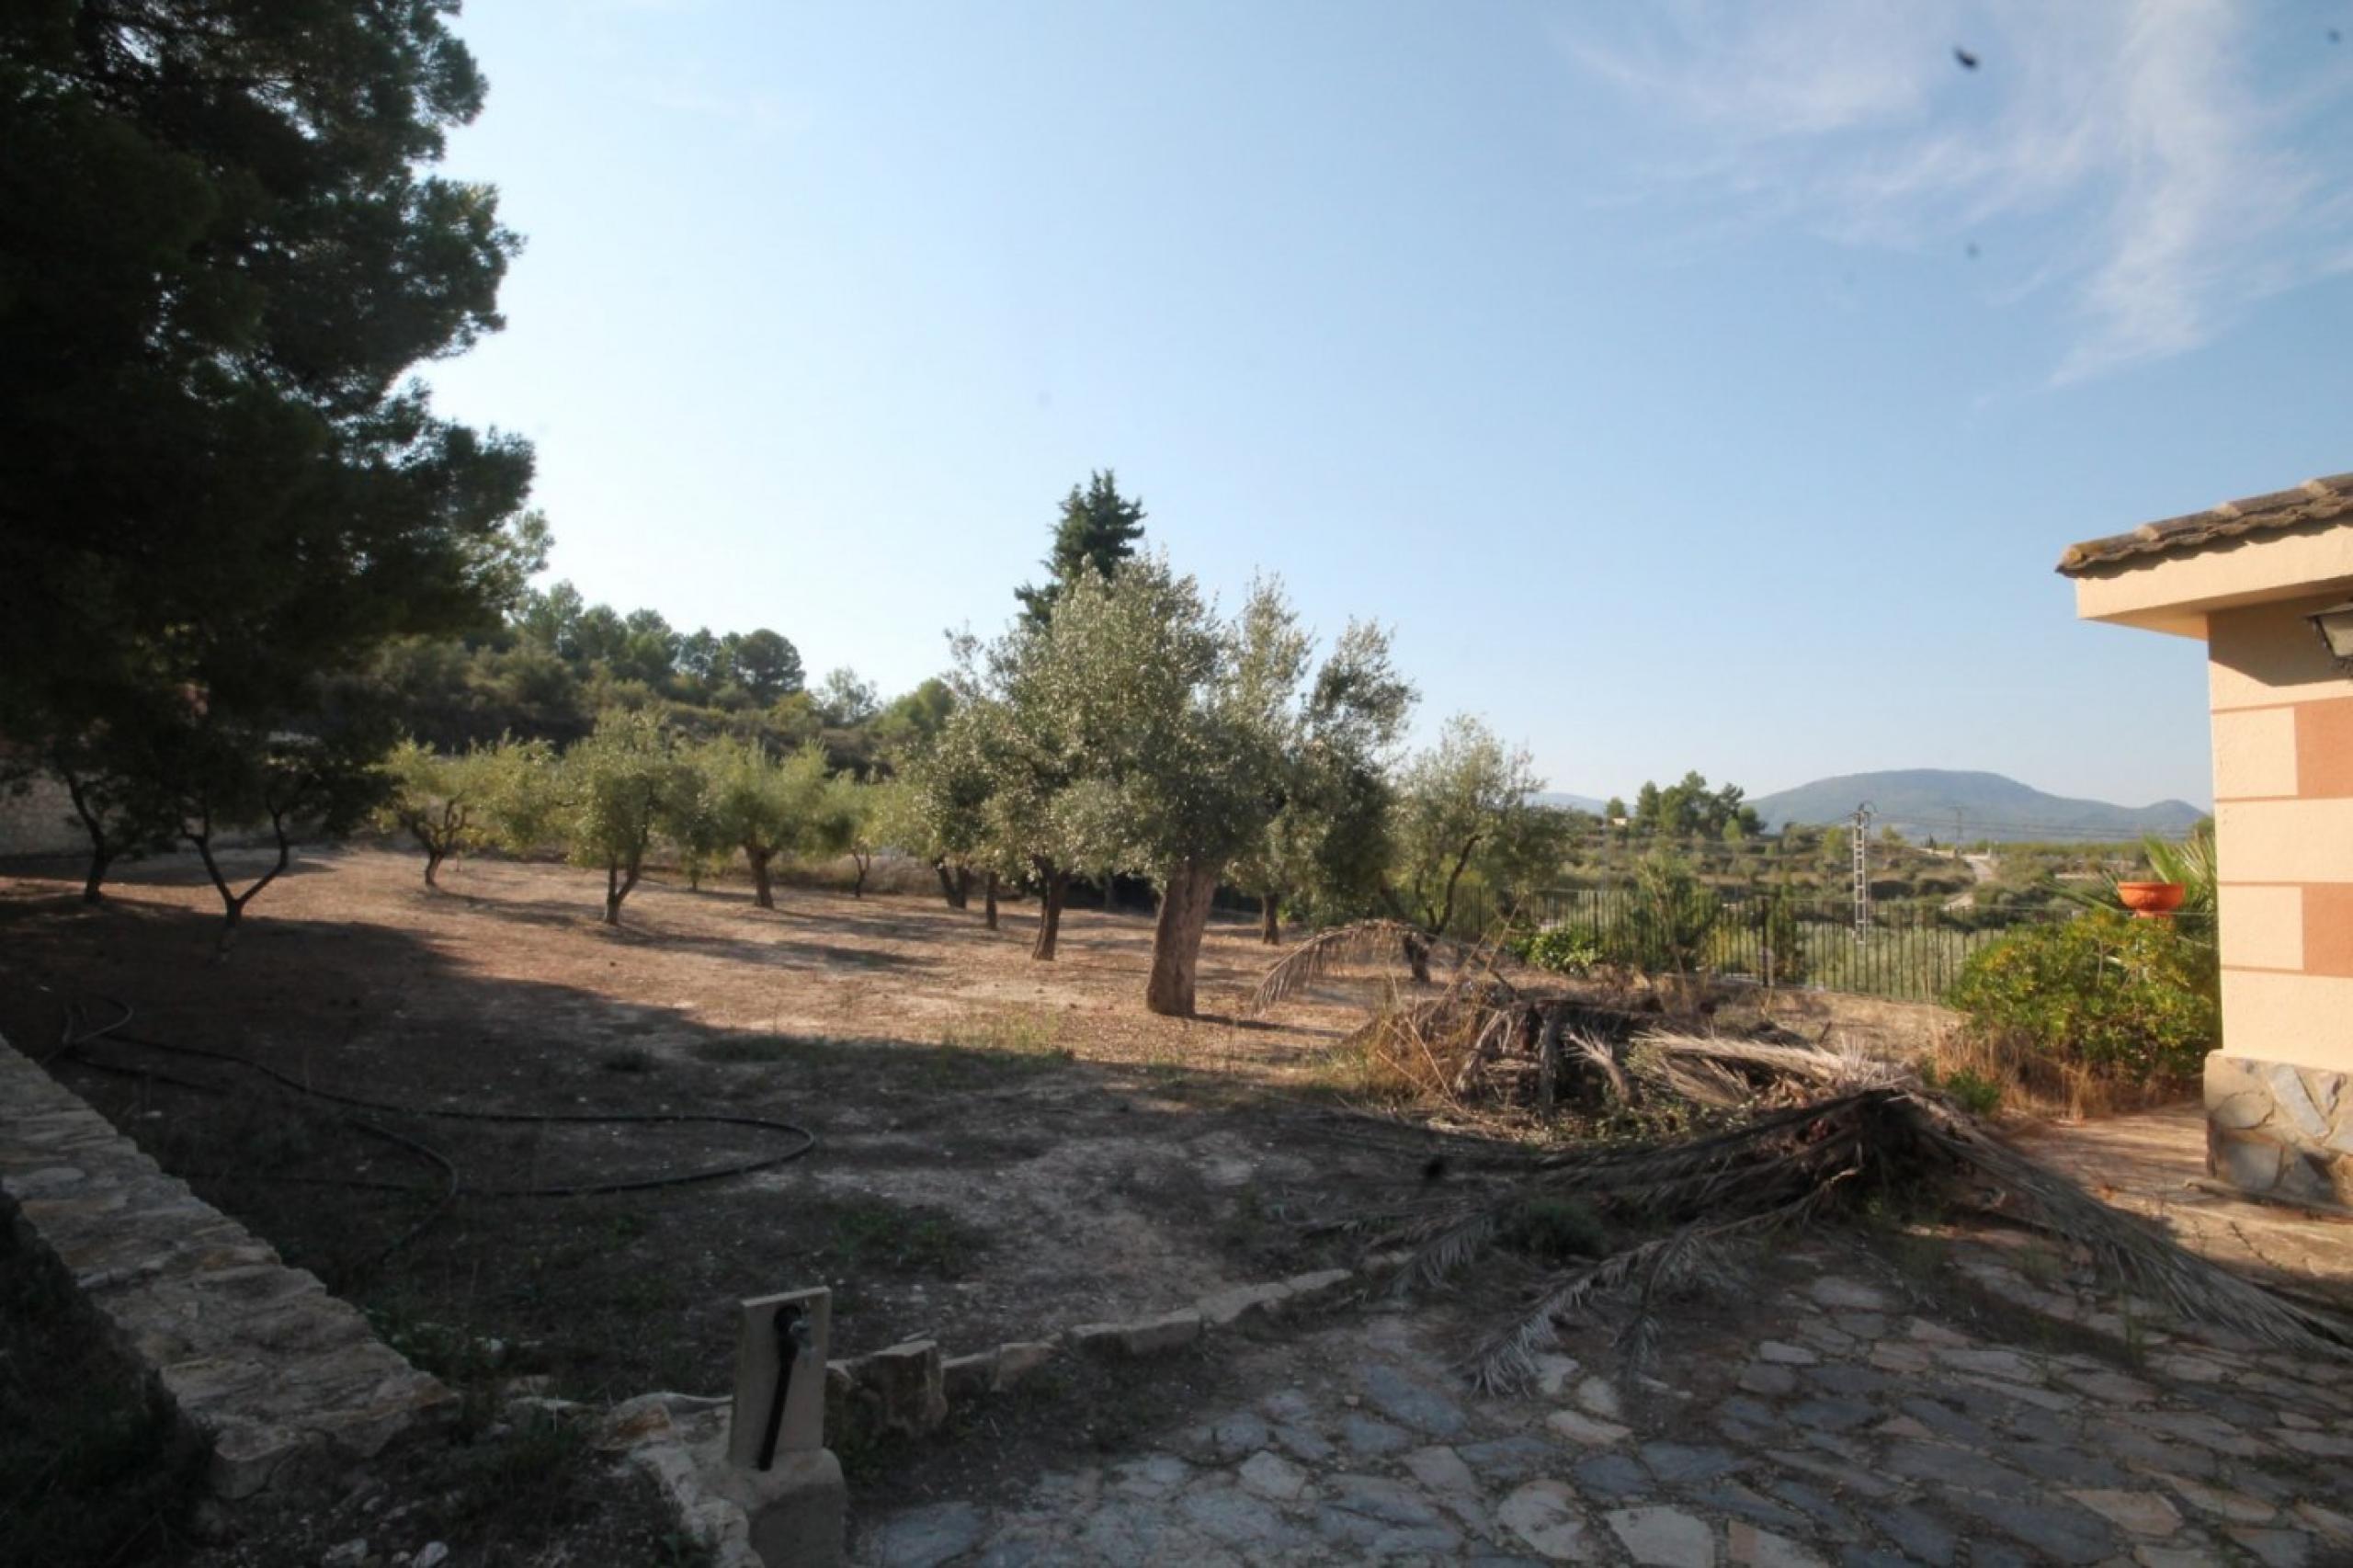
{"x":2034,"y":1086}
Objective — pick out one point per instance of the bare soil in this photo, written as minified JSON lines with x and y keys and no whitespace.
{"x":1004,"y":1147}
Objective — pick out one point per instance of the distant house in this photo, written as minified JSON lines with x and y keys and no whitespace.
{"x":2256,"y":579}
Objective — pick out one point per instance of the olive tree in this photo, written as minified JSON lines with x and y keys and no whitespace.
{"x":762,"y":804}
{"x":1327,"y":846}
{"x":1463,"y":801}
{"x":452,"y":803}
{"x":621,"y":789}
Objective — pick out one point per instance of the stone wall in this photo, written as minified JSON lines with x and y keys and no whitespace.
{"x":281,"y":1381}
{"x":38,"y":820}
{"x":2281,"y":1130}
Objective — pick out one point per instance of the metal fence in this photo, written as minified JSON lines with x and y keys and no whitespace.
{"x":1910,"y":952}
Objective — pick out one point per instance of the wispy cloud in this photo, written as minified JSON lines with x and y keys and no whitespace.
{"x":2169,"y":181}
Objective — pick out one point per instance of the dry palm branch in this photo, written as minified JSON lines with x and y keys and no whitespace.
{"x":1816,"y":1131}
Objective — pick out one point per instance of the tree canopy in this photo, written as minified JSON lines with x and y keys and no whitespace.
{"x":1097,"y":531}
{"x":220,"y":255}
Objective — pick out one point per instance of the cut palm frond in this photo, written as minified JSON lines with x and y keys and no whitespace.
{"x":1364,"y":942}
{"x":1796,"y":1163}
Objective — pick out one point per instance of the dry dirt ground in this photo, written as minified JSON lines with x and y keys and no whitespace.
{"x":1002,"y":1147}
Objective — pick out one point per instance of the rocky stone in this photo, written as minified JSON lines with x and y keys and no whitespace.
{"x":1221,"y":1309}
{"x":1680,"y":1464}
{"x":1612,"y":1475}
{"x":2247,"y":1161}
{"x":1318,"y":1286}
{"x":2274,"y":1548}
{"x":962,"y":1377}
{"x":1018,"y":1359}
{"x":1554,"y":1372}
{"x":1239,"y":1433}
{"x":1787,"y":1355}
{"x":1235,"y":1518}
{"x":921,"y":1537}
{"x":1598,"y":1396}
{"x":1897,"y":1357}
{"x":432,"y":1554}
{"x":1364,"y":1436}
{"x":2248,"y":1109}
{"x":347,"y":1554}
{"x":2237,"y":1507}
{"x":1837,"y":1291}
{"x":1154,"y":1335}
{"x":1414,"y":1403}
{"x":1270,"y":1474}
{"x":1502,"y":1461}
{"x":1442,"y":1469}
{"x":2059,"y":1530}
{"x":1772,"y":1381}
{"x":1304,"y":1442}
{"x":1544,"y":1515}
{"x":1748,"y":1546}
{"x":1831,"y":1414}
{"x":900,"y":1389}
{"x":2142,"y":1513}
{"x":1662,"y":1537}
{"x":1922,"y":1535}
{"x":1579,"y":1427}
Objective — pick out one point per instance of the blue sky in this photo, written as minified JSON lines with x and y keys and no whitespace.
{"x":1690,"y":386}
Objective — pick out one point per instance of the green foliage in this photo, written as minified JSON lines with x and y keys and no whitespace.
{"x":1096,"y":534}
{"x":1673,"y":916}
{"x":1325,"y":849}
{"x":221,"y":253}
{"x":1465,"y":801}
{"x":452,"y":804}
{"x":2124,"y":997}
{"x":1691,"y":810}
{"x":1969,"y":1089}
{"x":620,"y":789}
{"x":1565,"y":950}
{"x":762,"y":805}
{"x":1554,"y":1230}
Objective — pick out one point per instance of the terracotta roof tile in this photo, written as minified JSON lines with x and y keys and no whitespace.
{"x":2314,"y":501}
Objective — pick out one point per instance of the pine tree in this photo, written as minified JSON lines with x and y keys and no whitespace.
{"x":1098,"y":529}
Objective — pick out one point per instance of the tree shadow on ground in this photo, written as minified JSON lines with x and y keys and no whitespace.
{"x":939,"y":1149}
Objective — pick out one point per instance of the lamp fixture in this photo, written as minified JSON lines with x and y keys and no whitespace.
{"x":2334,"y":625}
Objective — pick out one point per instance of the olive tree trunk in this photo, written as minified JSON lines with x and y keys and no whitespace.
{"x":1270,"y":921}
{"x":763,"y":884}
{"x":1056,"y":884}
{"x":988,"y":901}
{"x":1177,"y":938}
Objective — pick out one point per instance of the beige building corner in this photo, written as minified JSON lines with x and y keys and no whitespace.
{"x":2247,"y":577}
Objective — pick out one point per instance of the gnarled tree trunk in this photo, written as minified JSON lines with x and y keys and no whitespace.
{"x":955,"y":889}
{"x":1055,"y":883}
{"x":1177,"y":938}
{"x":1270,"y":921}
{"x":757,"y":856}
{"x":988,"y":900}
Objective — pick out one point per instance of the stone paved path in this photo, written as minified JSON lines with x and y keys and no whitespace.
{"x":1842,"y":1428}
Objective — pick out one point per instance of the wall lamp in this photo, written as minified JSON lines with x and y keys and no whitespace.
{"x":2334,"y":625}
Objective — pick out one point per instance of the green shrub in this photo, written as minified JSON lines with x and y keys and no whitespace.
{"x":1565,"y":949}
{"x":2122,"y":997}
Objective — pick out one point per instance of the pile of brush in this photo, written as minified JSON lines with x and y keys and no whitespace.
{"x":1793,"y":1134}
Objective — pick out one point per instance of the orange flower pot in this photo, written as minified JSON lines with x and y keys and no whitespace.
{"x":2150,"y":901}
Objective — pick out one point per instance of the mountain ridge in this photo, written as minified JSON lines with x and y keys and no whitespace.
{"x":1921,"y":803}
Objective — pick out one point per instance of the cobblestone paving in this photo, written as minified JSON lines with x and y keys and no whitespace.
{"x":1845,"y":1428}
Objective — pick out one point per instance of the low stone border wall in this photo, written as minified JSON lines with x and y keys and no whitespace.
{"x":2279,"y":1130}
{"x":908,"y":1389}
{"x":277,"y":1377}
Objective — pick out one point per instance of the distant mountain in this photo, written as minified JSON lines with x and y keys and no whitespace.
{"x":1922,"y":802}
{"x":1573,"y":802}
